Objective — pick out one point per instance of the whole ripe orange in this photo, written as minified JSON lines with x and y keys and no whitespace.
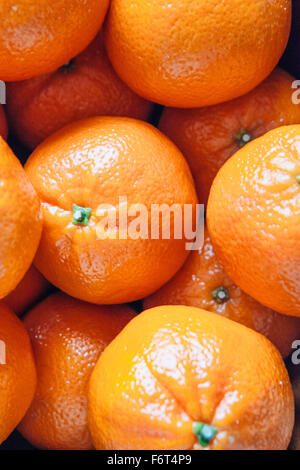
{"x":182,"y":378}
{"x":203,"y":283}
{"x":33,"y":288}
{"x":253,"y":218}
{"x":209,"y":136}
{"x":67,"y":336}
{"x":194,"y":53}
{"x":21,"y":217}
{"x":108,"y":158}
{"x":86,"y":86}
{"x":38,"y":37}
{"x":17,"y":371}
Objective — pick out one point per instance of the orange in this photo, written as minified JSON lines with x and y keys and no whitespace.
{"x":95,"y":162}
{"x":194,"y":53}
{"x":209,"y":136}
{"x":38,"y":37}
{"x":21,"y":218}
{"x":67,"y":336}
{"x":203,"y":283}
{"x":17,"y":371}
{"x":31,"y":289}
{"x":253,"y":218}
{"x":86,"y":86}
{"x":182,"y":378}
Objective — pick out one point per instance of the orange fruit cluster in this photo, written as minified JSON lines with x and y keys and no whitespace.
{"x":150,"y":238}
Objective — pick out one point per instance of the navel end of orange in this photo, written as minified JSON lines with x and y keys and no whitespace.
{"x":220,"y":294}
{"x":81,"y":215}
{"x":204,"y":433}
{"x":243,"y":137}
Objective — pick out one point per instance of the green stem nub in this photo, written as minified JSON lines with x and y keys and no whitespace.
{"x":67,"y":67}
{"x":298,"y":179}
{"x":204,"y":432}
{"x":81,"y":215}
{"x":243,"y":137}
{"x":220,"y":295}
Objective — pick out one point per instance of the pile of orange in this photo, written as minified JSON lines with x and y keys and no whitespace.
{"x":128,"y":115}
